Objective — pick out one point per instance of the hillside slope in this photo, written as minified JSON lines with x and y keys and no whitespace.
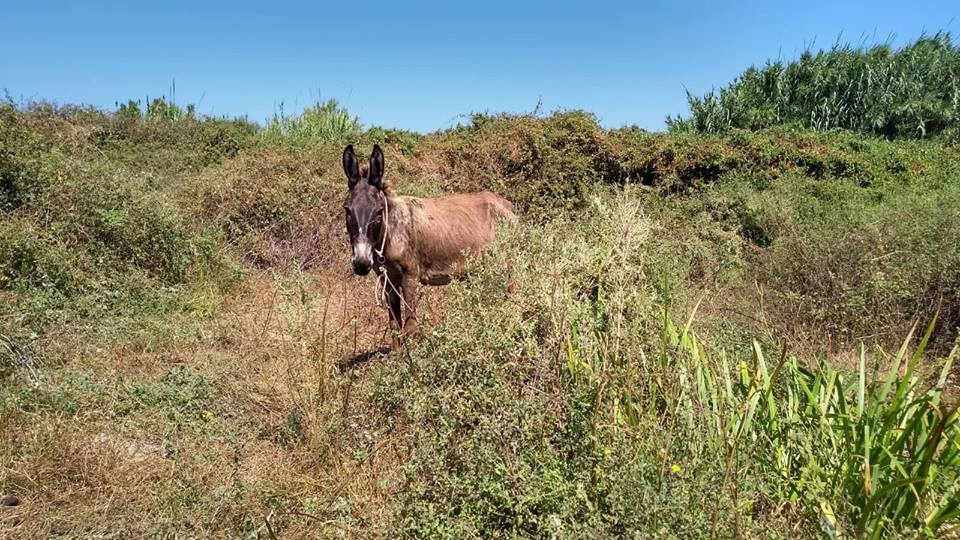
{"x":183,"y":349}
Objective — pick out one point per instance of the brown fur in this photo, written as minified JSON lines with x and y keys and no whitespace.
{"x":427,"y":240}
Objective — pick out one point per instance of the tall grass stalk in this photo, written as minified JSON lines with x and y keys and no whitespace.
{"x":885,"y":448}
{"x":875,"y":453}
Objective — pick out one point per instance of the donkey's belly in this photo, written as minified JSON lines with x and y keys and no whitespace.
{"x":442,"y":275}
{"x":435,"y":279}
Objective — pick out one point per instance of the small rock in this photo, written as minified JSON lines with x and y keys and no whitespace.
{"x":9,"y":500}
{"x":59,"y":528}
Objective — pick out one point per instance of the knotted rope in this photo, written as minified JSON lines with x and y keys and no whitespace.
{"x":383,"y":281}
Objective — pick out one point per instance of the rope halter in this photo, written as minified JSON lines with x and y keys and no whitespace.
{"x":380,"y":290}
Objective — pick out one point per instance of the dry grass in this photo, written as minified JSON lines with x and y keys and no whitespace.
{"x":263,"y":444}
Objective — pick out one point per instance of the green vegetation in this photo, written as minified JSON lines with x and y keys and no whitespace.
{"x":689,"y":334}
{"x":321,"y":122}
{"x":908,"y":93}
{"x":587,"y":412}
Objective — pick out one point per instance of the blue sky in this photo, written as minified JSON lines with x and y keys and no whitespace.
{"x":422,"y":65}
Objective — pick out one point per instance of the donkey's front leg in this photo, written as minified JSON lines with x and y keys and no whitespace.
{"x":394,"y":299}
{"x":411,"y":297}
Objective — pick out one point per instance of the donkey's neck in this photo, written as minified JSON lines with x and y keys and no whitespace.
{"x":396,"y":223}
{"x":389,"y":220}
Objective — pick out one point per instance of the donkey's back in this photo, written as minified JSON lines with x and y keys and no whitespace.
{"x":445,"y":228}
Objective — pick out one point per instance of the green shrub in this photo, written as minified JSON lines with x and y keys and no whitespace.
{"x":909,"y":93}
{"x":167,"y":139}
{"x":26,"y":162}
{"x":97,"y":241}
{"x":549,"y":395}
{"x":680,"y":162}
{"x":547,"y":165}
{"x":120,"y":222}
{"x":28,"y":259}
{"x":403,"y":140}
{"x":852,"y":261}
{"x":321,"y":123}
{"x":544,"y":165}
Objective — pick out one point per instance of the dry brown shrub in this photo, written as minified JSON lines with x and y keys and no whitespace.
{"x":282,"y":211}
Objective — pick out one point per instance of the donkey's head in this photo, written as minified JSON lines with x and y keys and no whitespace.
{"x":364,"y":207}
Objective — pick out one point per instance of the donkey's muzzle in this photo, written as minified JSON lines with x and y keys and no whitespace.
{"x":362,"y":257}
{"x":361,"y":268}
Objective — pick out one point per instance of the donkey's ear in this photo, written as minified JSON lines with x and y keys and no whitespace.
{"x":351,"y":167}
{"x":375,"y":178}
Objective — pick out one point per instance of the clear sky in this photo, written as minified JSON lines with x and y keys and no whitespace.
{"x":422,"y":65}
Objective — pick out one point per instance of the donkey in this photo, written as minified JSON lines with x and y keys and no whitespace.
{"x":412,"y":241}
